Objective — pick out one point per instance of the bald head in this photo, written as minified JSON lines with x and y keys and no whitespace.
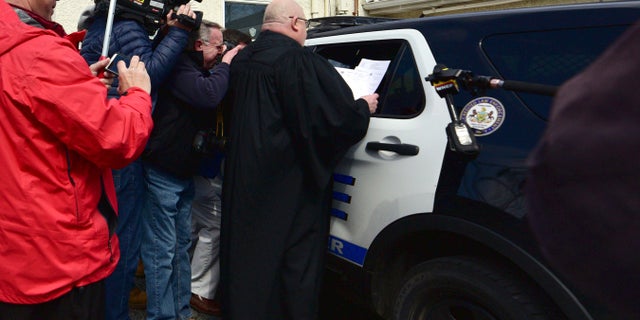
{"x":285,"y":17}
{"x":279,"y":10}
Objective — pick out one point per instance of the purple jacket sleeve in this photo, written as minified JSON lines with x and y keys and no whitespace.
{"x":197,"y":88}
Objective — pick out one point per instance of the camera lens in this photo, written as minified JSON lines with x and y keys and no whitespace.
{"x":230,"y":44}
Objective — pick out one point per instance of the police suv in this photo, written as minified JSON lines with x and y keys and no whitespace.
{"x":426,"y":230}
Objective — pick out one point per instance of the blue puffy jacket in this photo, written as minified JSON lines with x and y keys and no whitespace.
{"x":130,"y":38}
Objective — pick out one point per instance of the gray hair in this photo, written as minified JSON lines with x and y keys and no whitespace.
{"x":202,"y":33}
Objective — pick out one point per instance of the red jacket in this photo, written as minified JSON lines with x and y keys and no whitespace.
{"x":58,"y":135}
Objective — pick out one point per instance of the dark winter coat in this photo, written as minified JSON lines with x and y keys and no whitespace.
{"x":186,"y":104}
{"x":129,"y":37}
{"x":583,"y":190}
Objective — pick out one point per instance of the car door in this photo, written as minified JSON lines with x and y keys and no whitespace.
{"x":393,"y":172}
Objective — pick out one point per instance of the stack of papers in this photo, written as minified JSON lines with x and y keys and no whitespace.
{"x":366,"y":77}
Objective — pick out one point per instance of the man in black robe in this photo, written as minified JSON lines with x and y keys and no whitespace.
{"x":584,"y":186}
{"x":293,"y":119}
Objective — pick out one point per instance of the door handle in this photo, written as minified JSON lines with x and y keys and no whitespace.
{"x":399,"y":148}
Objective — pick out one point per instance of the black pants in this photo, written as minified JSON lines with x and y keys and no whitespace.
{"x":83,"y":303}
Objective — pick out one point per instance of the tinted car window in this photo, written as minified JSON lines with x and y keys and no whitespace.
{"x":401,"y":91}
{"x":546,"y":57}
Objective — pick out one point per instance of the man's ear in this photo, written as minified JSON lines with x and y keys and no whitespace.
{"x":294,"y":24}
{"x":197,"y":45}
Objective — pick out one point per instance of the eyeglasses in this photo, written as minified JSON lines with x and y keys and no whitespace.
{"x":220,"y":47}
{"x":306,"y":21}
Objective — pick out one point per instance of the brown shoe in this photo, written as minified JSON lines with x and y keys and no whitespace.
{"x":140,"y":270}
{"x":204,"y":305}
{"x":137,"y":299}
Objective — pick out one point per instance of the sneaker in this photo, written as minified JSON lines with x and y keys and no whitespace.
{"x":204,"y":305}
{"x":137,"y":299}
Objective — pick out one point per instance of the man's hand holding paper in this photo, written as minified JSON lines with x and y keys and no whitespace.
{"x":366,"y":77}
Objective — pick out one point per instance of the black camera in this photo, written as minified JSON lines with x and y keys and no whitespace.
{"x":230,"y":44}
{"x":207,"y":143}
{"x":188,"y":21}
{"x":152,"y":12}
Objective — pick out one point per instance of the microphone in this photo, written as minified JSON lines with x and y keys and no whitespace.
{"x":520,"y":86}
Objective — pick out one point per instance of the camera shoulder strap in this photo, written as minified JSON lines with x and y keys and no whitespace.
{"x":219,"y":122}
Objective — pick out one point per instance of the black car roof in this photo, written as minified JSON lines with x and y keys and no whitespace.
{"x":626,"y":11}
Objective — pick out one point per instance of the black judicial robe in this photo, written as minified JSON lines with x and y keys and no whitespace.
{"x":293,"y":119}
{"x":584,"y":186}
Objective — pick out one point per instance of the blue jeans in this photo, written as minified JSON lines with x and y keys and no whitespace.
{"x":130,"y":188}
{"x":166,"y":229}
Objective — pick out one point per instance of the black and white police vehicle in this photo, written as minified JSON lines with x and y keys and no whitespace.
{"x":426,"y":231}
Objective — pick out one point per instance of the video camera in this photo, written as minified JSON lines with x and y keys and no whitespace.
{"x":207,"y":142}
{"x":152,"y":12}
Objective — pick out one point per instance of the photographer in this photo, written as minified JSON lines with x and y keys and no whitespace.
{"x":186,"y":103}
{"x":206,"y":210}
{"x":130,"y":36}
{"x":59,"y":136}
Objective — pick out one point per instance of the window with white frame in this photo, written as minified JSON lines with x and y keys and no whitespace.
{"x":244,"y":16}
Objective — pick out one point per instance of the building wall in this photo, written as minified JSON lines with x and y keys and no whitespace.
{"x":67,"y":12}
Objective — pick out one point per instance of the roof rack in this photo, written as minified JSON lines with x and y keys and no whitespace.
{"x":324,"y":24}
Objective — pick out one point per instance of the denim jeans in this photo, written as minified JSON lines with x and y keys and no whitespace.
{"x":166,"y":229}
{"x":205,"y":236}
{"x":130,"y":188}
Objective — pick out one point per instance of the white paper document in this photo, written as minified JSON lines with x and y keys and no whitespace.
{"x":366,"y":77}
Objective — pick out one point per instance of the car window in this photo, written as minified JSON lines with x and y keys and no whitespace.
{"x":547,"y":57}
{"x":401,"y":91}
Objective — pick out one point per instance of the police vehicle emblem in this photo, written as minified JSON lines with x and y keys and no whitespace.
{"x":484,"y":115}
